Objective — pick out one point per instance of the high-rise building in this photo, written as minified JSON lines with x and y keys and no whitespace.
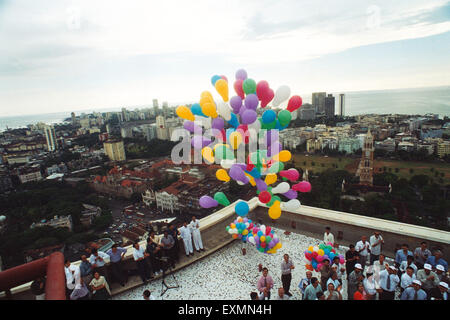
{"x":73,"y":118}
{"x":124,"y":114}
{"x":126,"y":132}
{"x":150,"y":132}
{"x":318,"y":101}
{"x":307,"y":112}
{"x":329,"y":106}
{"x":342,"y":104}
{"x":155,"y":107}
{"x":115,"y":150}
{"x":365,"y":168}
{"x":50,"y":136}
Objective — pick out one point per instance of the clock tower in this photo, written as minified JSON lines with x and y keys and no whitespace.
{"x":365,"y":168}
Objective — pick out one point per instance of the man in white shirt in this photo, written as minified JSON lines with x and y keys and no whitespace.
{"x":97,"y":260}
{"x":407,"y":278}
{"x":328,"y":236}
{"x":281,"y":295}
{"x":408,"y":263}
{"x":376,"y":242}
{"x":72,"y":276}
{"x":195,"y":226}
{"x":139,"y":256}
{"x":186,"y":235}
{"x":388,"y":283}
{"x":363,"y":248}
{"x":340,"y":268}
{"x":370,"y":286}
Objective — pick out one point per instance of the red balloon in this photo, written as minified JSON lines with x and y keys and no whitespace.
{"x":264,"y":196}
{"x":291,"y":174}
{"x":268,"y":96}
{"x":261,"y":89}
{"x":263,"y":244}
{"x":222,"y":136}
{"x":250,"y":167}
{"x":238,"y":88}
{"x":303,"y":186}
{"x":267,"y":231}
{"x":294,"y":103}
{"x":243,"y":130}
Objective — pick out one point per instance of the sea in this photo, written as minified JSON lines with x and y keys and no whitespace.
{"x":414,"y":101}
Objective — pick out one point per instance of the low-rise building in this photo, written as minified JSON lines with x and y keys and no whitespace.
{"x":443,"y":149}
{"x":56,"y":222}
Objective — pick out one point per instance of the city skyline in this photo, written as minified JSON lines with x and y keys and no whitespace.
{"x":63,"y":57}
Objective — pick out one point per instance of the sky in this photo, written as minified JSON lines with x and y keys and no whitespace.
{"x":77,"y":55}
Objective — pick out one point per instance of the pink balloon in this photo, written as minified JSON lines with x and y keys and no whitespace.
{"x":303,"y":186}
{"x":224,"y":78}
{"x":238,"y":88}
{"x":291,"y":174}
{"x":319,"y":258}
{"x":261,"y":89}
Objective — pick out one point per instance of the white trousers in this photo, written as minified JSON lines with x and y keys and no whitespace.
{"x":197,"y":240}
{"x":188,"y":245}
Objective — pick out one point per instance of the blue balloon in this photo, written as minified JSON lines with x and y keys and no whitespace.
{"x":234,"y":120}
{"x":242,"y":208}
{"x":214,"y":79}
{"x":197,"y":110}
{"x":260,"y":233}
{"x":326,"y":252}
{"x":269,"y":116}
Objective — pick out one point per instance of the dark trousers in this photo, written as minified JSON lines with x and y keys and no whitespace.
{"x":373,"y":258}
{"x":117,"y":272}
{"x":286,"y":280}
{"x":143,"y":269}
{"x":387,"y":295}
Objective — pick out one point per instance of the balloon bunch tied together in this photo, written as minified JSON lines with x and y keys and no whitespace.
{"x":317,"y":254}
{"x":264,"y":238}
{"x":240,"y":116}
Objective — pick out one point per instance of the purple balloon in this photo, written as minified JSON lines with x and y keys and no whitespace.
{"x":251,"y":101}
{"x":191,"y":126}
{"x":272,"y":244}
{"x":257,"y":240}
{"x":242,"y":110}
{"x":236,"y":104}
{"x":208,"y":202}
{"x":241,"y":74}
{"x":238,"y":174}
{"x":199,"y":142}
{"x":260,"y":185}
{"x":218,"y":123}
{"x":249,"y":116}
{"x":274,"y":149}
{"x":291,"y":194}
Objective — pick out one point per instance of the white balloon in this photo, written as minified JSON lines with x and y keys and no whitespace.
{"x":240,"y":183}
{"x":224,"y":110}
{"x":255,"y":126}
{"x":316,"y":248}
{"x":282,"y":94}
{"x":263,"y":229}
{"x":230,"y":231}
{"x":203,"y":121}
{"x":283,"y":187}
{"x":291,"y":204}
{"x":294,"y":114}
{"x":251,"y":240}
{"x":227,"y":163}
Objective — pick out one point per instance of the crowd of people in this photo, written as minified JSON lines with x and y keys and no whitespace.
{"x":418,"y":275}
{"x":91,"y":278}
{"x":412,"y":275}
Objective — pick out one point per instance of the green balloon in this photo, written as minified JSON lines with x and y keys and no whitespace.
{"x":272,"y":125}
{"x":284,"y":117}
{"x":223,"y":152}
{"x":249,"y":86}
{"x":268,"y":239}
{"x":276,"y":167}
{"x":274,"y":198}
{"x":221,"y":198}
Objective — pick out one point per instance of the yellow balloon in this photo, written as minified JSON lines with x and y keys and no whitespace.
{"x":278,"y":246}
{"x":245,"y":232}
{"x":185,"y":113}
{"x":270,"y":178}
{"x":235,"y":139}
{"x":240,"y":219}
{"x":284,"y":156}
{"x":250,"y":179}
{"x":232,"y":226}
{"x":320,"y":252}
{"x":311,"y":249}
{"x":262,"y":239}
{"x":206,"y":94}
{"x":222,"y":175}
{"x":208,"y":154}
{"x":275,"y":210}
{"x":222,"y":88}
{"x":209,"y":110}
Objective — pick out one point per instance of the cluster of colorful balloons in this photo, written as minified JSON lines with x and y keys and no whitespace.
{"x":265,"y":239}
{"x":317,"y":254}
{"x":240,"y":228}
{"x":235,"y":119}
